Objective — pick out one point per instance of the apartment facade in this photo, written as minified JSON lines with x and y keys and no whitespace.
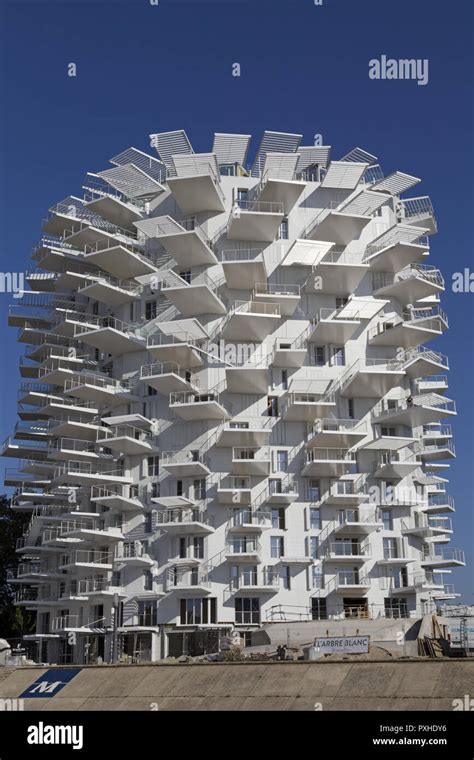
{"x":228,"y":414}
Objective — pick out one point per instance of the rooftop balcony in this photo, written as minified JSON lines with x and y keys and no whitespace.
{"x":198,"y":406}
{"x":243,"y":550}
{"x":127,"y":439}
{"x":444,"y":558}
{"x":338,"y":433}
{"x":369,"y":378}
{"x":425,"y":526}
{"x":100,"y":390}
{"x":168,"y":377}
{"x":179,"y":348}
{"x":184,"y":522}
{"x":194,"y":298}
{"x":248,"y":431}
{"x":344,"y":492}
{"x":414,"y":411}
{"x":249,"y":521}
{"x":395,"y":464}
{"x":111,"y":335}
{"x":251,"y":461}
{"x":355,"y":521}
{"x":187,"y":580}
{"x":251,"y":320}
{"x":89,"y":473}
{"x":109,"y":290}
{"x":234,"y":490}
{"x":183,"y":463}
{"x":122,"y":498}
{"x":286,"y":296}
{"x":328,"y":462}
{"x":86,"y":558}
{"x":348,"y":550}
{"x":419,"y":212}
{"x":196,"y":185}
{"x":253,"y":581}
{"x":255,"y":220}
{"x":183,"y":240}
{"x":418,"y":326}
{"x":243,"y":267}
{"x":290,"y":353}
{"x":421,"y":362}
{"x":249,"y":373}
{"x":338,"y":273}
{"x":334,"y":325}
{"x":410,"y":285}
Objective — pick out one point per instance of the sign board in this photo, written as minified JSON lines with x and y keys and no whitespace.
{"x":50,"y":683}
{"x":343,"y":644}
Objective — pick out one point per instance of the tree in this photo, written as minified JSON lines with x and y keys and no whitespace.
{"x":14,"y":621}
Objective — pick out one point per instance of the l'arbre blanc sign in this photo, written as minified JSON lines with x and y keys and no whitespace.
{"x":343,"y":644}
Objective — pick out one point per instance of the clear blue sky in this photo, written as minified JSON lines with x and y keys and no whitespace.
{"x":304,"y":69}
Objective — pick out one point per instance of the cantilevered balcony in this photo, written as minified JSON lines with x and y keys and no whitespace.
{"x":194,"y":298}
{"x":286,"y":296}
{"x":185,"y":463}
{"x":391,"y":253}
{"x":410,"y":285}
{"x":249,"y":521}
{"x":338,"y":273}
{"x":250,"y":580}
{"x":74,"y":426}
{"x":89,"y":559}
{"x":395,"y":552}
{"x":246,"y":431}
{"x":423,"y":362}
{"x":89,"y":529}
{"x":326,"y":462}
{"x":26,"y":315}
{"x":243,"y":267}
{"x":111,"y":335}
{"x":348,"y":550}
{"x":80,"y":623}
{"x":132,"y":554}
{"x":251,"y":461}
{"x":278,"y":183}
{"x":196,"y":186}
{"x":234,"y":490}
{"x":89,"y":473}
{"x":198,"y":406}
{"x":336,"y":433}
{"x":443,"y":557}
{"x":395,"y":464}
{"x":179,"y":348}
{"x":431,"y":450}
{"x":418,"y":326}
{"x":184,"y":522}
{"x":57,"y":371}
{"x":18,"y":448}
{"x":64,"y":449}
{"x":36,"y":571}
{"x":168,"y":377}
{"x":388,"y":440}
{"x":414,"y":411}
{"x":282,"y":491}
{"x":97,"y":588}
{"x":183,"y":240}
{"x":343,"y":222}
{"x":419,"y":212}
{"x":426,"y":526}
{"x":117,"y":254}
{"x":334,"y":325}
{"x":432,"y":384}
{"x":244,"y":550}
{"x":184,"y":580}
{"x":100,"y":390}
{"x":439,"y":502}
{"x":127,"y":439}
{"x":249,"y":373}
{"x":369,"y":378}
{"x":350,"y":583}
{"x":290,"y":353}
{"x":346,"y":492}
{"x":251,"y":320}
{"x":255,"y":220}
{"x":111,"y":204}
{"x":109,"y":290}
{"x":356,"y":522}
{"x":307,"y":400}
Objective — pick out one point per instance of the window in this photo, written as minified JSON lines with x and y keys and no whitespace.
{"x":317,"y":578}
{"x":350,"y":408}
{"x":390,"y":431}
{"x":148,"y":523}
{"x":314,"y":518}
{"x":313,"y":547}
{"x":314,"y":490}
{"x":276,"y":547}
{"x":247,"y":611}
{"x":318,"y":608}
{"x":150,"y":310}
{"x":153,"y":466}
{"x":148,"y":581}
{"x":338,"y":358}
{"x":198,"y":547}
{"x":319,"y":356}
{"x":272,"y":406}
{"x":147,"y":613}
{"x":198,"y":611}
{"x":278,"y":518}
{"x":151,"y":391}
{"x":390,"y":548}
{"x":387,"y":519}
{"x":155,"y":490}
{"x":242,"y":194}
{"x":286,"y":577}
{"x":283,"y":230}
{"x":227,"y":170}
{"x":274,"y":485}
{"x":116,"y":578}
{"x":395,"y":608}
{"x":199,"y":489}
{"x":284,"y":379}
{"x":281,"y":461}
{"x":186,"y":276}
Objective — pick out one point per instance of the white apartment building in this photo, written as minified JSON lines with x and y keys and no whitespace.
{"x":228,"y":414}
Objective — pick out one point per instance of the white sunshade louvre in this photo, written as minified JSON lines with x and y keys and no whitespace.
{"x":343,"y":175}
{"x":306,"y":252}
{"x":280,"y":165}
{"x":131,"y":181}
{"x":169,"y":144}
{"x":195,"y":164}
{"x":274,"y":142}
{"x":359,"y":155}
{"x":363,"y":308}
{"x":313,"y":154}
{"x":231,"y":149}
{"x":365,"y":203}
{"x":164,"y":225}
{"x":151,"y":166}
{"x":396,"y":183}
{"x":399,"y":233}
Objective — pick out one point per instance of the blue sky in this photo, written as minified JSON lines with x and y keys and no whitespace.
{"x":304,"y":68}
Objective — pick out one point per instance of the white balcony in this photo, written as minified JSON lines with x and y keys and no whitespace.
{"x":255,"y":220}
{"x":383,"y":442}
{"x":334,"y":325}
{"x":419,"y":326}
{"x":337,"y":224}
{"x":338,"y":273}
{"x":183,"y":240}
{"x":249,"y":374}
{"x":120,"y":259}
{"x":444,"y":558}
{"x":57,"y":371}
{"x":336,"y":433}
{"x":346,"y":491}
{"x":243,"y":550}
{"x":109,"y":290}
{"x":419,"y":212}
{"x":184,"y":521}
{"x":234,"y":491}
{"x":326,"y":462}
{"x":117,"y":497}
{"x":436,"y":450}
{"x":307,"y":400}
{"x":351,"y":583}
{"x":195,"y":406}
{"x":93,"y":588}
{"x":349,"y":550}
{"x":248,"y":431}
{"x":432,"y":384}
{"x":356,"y":521}
{"x":104,"y":200}
{"x":290,"y":353}
{"x":243,"y":267}
{"x":77,"y":623}
{"x":64,"y":449}
{"x":423,"y":362}
{"x":414,"y":411}
{"x":278,"y":184}
{"x":179,"y":348}
{"x":185,"y":580}
{"x":97,"y":389}
{"x":191,"y":463}
{"x":251,"y":461}
{"x":111,"y":335}
{"x":18,"y":449}
{"x":286,"y":296}
{"x":410,"y":285}
{"x":87,"y":558}
{"x":132,"y":554}
{"x":36,"y":572}
{"x":387,"y":256}
{"x":89,"y":529}
{"x":397,"y":553}
{"x":249,"y":521}
{"x":439,"y":502}
{"x":426,"y":526}
{"x":89,"y":473}
{"x":127,"y":439}
{"x":196,"y":186}
{"x":195,"y":298}
{"x":251,"y":320}
{"x":395,"y":464}
{"x":252,"y":581}
{"x":168,"y":377}
{"x":282,"y":491}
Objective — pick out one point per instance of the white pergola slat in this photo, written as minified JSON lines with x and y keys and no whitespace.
{"x":343,"y":175}
{"x":231,"y":149}
{"x":365,"y":203}
{"x":169,"y":144}
{"x":131,"y":181}
{"x":195,"y":163}
{"x":151,"y":166}
{"x":313,"y":154}
{"x":396,"y":183}
{"x":280,"y":165}
{"x":274,"y":142}
{"x":360,"y":156}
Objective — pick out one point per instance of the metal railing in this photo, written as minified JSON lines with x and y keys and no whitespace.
{"x":329,"y":455}
{"x":251,"y":454}
{"x":234,"y":255}
{"x":276,"y":289}
{"x":347,"y":549}
{"x":247,"y":578}
{"x":242,"y":518}
{"x":243,"y":546}
{"x":256,"y":207}
{"x":432,"y":400}
{"x":445,"y":555}
{"x":182,"y":517}
{"x":182,"y":457}
{"x":257,"y":307}
{"x":333,"y":424}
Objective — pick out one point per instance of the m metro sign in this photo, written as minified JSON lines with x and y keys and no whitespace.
{"x":50,"y":683}
{"x":343,"y":644}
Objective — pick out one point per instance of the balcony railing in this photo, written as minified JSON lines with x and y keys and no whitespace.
{"x":246,"y":517}
{"x":347,"y":549}
{"x":445,"y":555}
{"x":182,"y":517}
{"x":234,"y":255}
{"x":332,"y":424}
{"x":257,"y":207}
{"x":253,"y":578}
{"x":432,"y":400}
{"x":330,"y":455}
{"x":257,"y":307}
{"x":243,"y":546}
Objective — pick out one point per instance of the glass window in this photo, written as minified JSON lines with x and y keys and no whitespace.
{"x":153,"y":466}
{"x":276,"y":547}
{"x":315,"y":518}
{"x":282,"y":461}
{"x":286,"y":577}
{"x":147,"y":613}
{"x":387,"y":519}
{"x":150,"y":310}
{"x":283,"y":230}
{"x":319,"y":356}
{"x":200,"y":489}
{"x":284,"y":379}
{"x":338,"y":356}
{"x":314,"y":547}
{"x":314,"y":490}
{"x":247,"y":611}
{"x":278,"y":518}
